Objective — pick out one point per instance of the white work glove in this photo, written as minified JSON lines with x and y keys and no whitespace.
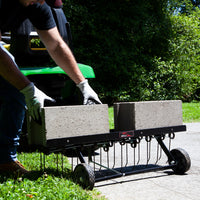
{"x":35,"y":100}
{"x":89,"y":95}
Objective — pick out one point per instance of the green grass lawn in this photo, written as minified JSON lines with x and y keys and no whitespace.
{"x":52,"y":185}
{"x":55,"y":185}
{"x":191,"y":112}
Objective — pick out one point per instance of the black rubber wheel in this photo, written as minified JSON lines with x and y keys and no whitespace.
{"x":182,"y":160}
{"x":84,"y":176}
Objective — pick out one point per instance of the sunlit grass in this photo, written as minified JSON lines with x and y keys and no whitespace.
{"x":111,"y":117}
{"x":191,"y":112}
{"x":55,"y":183}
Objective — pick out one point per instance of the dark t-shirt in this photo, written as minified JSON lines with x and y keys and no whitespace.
{"x":12,"y":14}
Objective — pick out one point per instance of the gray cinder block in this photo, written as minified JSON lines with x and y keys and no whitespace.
{"x":147,"y":114}
{"x":68,"y":121}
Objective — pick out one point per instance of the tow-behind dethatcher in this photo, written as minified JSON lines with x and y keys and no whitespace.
{"x":97,"y":156}
{"x":140,"y":141}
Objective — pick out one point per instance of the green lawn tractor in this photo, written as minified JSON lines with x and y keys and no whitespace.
{"x":35,"y":63}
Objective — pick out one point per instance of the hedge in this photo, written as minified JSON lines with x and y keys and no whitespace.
{"x":139,"y":51}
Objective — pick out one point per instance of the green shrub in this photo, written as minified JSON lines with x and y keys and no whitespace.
{"x":119,"y":39}
{"x":139,"y":50}
{"x":176,"y":75}
{"x":185,"y":53}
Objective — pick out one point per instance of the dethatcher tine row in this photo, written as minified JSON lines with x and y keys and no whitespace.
{"x":116,"y":154}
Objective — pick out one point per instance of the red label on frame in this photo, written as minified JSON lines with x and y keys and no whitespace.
{"x":126,"y":134}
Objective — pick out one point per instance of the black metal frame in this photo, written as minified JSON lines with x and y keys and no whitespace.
{"x":105,"y":140}
{"x":70,"y":142}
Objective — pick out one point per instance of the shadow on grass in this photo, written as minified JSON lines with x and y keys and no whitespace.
{"x":34,"y":175}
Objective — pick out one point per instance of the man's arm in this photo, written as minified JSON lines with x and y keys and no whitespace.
{"x":64,"y":58}
{"x":9,"y":70}
{"x":61,"y":53}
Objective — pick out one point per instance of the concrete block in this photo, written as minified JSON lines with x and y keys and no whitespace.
{"x":147,"y":114}
{"x":68,"y":121}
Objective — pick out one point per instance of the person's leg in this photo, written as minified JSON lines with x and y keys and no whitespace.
{"x":12,"y":112}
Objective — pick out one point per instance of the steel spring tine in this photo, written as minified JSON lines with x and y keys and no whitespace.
{"x":169,"y":144}
{"x":72,"y":163}
{"x":108,"y":159}
{"x":44,"y":161}
{"x":158,"y":147}
{"x":113,"y":155}
{"x":148,"y":152}
{"x":138,"y":154}
{"x":111,"y":144}
{"x":133,"y":143}
{"x":138,"y":140}
{"x":148,"y":138}
{"x":100,"y":158}
{"x":121,"y":157}
{"x":89,"y":156}
{"x":163,"y":136}
{"x":62,"y":164}
{"x":160,"y":152}
{"x":171,"y":136}
{"x":40,"y":161}
{"x":94,"y":161}
{"x":24,"y":161}
{"x":126,"y":155}
{"x":150,"y":149}
{"x":134,"y":156}
{"x":57,"y":162}
{"x":106,"y":147}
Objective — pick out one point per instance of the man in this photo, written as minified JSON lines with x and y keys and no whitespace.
{"x":16,"y":91}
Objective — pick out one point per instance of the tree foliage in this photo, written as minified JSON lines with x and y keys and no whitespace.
{"x":140,"y":50}
{"x":183,"y":6}
{"x":177,"y":75}
{"x":119,"y":39}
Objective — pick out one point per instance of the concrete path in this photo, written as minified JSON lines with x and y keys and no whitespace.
{"x":161,"y":185}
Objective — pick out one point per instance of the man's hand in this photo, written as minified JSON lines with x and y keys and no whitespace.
{"x":88,"y":93}
{"x":35,"y":100}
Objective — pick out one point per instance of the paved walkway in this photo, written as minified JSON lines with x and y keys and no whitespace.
{"x":162,"y":185}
